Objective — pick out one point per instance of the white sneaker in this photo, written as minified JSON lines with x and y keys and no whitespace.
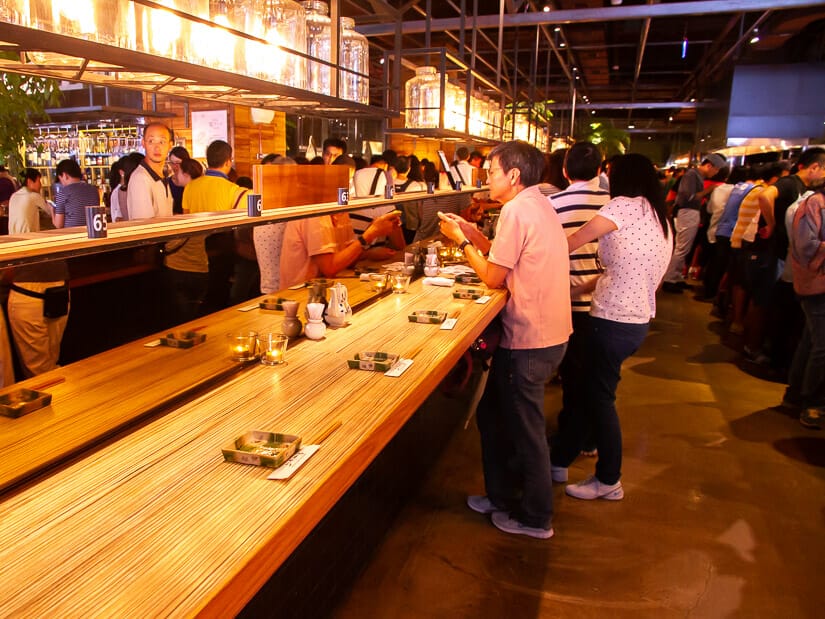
{"x":482,"y":504}
{"x":591,"y":488}
{"x":503,"y":522}
{"x":558,"y":474}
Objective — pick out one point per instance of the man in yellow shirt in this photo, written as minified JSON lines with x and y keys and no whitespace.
{"x":187,"y":284}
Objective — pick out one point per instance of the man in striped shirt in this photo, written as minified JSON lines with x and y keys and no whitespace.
{"x":575,"y":206}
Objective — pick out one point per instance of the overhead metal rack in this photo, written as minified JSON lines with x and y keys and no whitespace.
{"x":80,"y":60}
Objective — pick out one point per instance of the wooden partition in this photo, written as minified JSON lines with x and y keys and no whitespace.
{"x":297,"y":185}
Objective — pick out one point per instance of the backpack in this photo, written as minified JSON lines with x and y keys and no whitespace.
{"x":805,"y":233}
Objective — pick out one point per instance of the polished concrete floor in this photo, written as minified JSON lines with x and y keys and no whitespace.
{"x":722,"y":516}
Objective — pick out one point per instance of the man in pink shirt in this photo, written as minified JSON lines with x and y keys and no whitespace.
{"x":529,"y":257}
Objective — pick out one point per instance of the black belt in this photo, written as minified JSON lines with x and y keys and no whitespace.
{"x":28,"y":293}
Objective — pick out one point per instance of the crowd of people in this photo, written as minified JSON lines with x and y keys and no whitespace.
{"x":743,"y":262}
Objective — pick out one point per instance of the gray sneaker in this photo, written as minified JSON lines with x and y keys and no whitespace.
{"x":558,"y":474}
{"x":482,"y":504}
{"x":591,"y":488}
{"x":811,"y":418}
{"x":503,"y":522}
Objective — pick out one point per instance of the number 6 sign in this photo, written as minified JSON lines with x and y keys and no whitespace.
{"x":96,"y":222}
{"x":254,"y":204}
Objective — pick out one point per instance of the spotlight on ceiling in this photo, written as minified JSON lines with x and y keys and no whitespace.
{"x":557,"y":29}
{"x":755,"y":37}
{"x":546,"y":9}
{"x":631,"y":126}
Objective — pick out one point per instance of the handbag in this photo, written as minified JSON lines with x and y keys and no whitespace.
{"x":55,"y":299}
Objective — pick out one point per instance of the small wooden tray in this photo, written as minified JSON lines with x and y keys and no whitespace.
{"x":429,"y":317}
{"x":273,"y":303}
{"x":21,"y":401}
{"x":183,"y":339}
{"x":261,"y":448}
{"x":373,"y":361}
{"x":468,"y":293}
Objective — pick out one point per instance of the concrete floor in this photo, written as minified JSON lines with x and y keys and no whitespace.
{"x":722,"y":516}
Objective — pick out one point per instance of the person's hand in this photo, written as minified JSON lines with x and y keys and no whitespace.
{"x":450,"y":226}
{"x":383,"y":225}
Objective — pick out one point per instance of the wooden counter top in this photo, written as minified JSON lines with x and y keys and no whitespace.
{"x":116,"y":388}
{"x":156,"y":524}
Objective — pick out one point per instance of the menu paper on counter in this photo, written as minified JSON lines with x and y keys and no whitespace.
{"x":398,"y":368}
{"x":289,"y":467}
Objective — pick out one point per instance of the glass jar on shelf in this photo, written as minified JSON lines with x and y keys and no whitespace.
{"x":319,"y":45}
{"x":455,"y":108}
{"x":15,"y":11}
{"x":355,"y":56}
{"x":282,"y":23}
{"x":423,"y":99}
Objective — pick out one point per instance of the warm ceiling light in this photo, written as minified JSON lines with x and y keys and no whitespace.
{"x":557,"y":29}
{"x":546,"y":9}
{"x":562,"y":44}
{"x":593,"y":112}
{"x":755,"y":37}
{"x":631,"y":126}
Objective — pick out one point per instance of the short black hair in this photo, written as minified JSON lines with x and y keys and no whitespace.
{"x":462,"y":153}
{"x":337,"y":143}
{"x":402,"y":164}
{"x":476,"y":155}
{"x":244,"y":181}
{"x":29,"y":174}
{"x":739,"y":174}
{"x":70,"y":167}
{"x":377,"y":159}
{"x":268,"y":159}
{"x":524,"y":157}
{"x":390,"y":156}
{"x":218,"y":153}
{"x":811,"y":156}
{"x":583,"y":161}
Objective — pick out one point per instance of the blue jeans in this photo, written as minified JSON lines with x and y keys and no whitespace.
{"x":514,"y":451}
{"x":609,"y":344}
{"x":807,"y":373}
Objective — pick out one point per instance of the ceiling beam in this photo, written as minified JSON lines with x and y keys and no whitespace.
{"x":612,"y":13}
{"x":648,"y":105}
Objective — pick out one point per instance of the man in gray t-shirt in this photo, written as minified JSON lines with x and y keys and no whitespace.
{"x":689,"y":198}
{"x":74,"y":196}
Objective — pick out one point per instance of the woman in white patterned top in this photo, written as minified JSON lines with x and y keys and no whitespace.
{"x":635,"y":246}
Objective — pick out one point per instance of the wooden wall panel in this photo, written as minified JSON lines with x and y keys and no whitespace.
{"x":296,"y":185}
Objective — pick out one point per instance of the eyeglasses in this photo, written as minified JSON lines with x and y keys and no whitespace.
{"x":494,"y":171}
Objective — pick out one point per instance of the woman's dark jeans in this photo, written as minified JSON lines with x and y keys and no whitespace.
{"x":609,"y":343}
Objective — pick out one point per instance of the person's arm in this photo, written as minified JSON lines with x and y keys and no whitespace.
{"x":470,"y":232}
{"x":588,"y":286}
{"x":592,"y":230}
{"x":767,"y":199}
{"x":333,"y":263}
{"x":58,"y":220}
{"x":493,"y":275}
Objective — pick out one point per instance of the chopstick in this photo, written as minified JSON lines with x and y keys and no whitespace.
{"x":49,"y":383}
{"x":326,"y":433}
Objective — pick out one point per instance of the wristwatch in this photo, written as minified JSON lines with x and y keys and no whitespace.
{"x":464,"y":244}
{"x":364,"y":244}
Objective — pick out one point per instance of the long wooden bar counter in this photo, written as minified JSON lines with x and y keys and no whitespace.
{"x":114,"y":389}
{"x":156,"y":524}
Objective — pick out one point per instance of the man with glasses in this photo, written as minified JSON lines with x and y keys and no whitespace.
{"x":148,"y":194}
{"x":177,"y":155}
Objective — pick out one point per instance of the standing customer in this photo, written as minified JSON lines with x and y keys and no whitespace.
{"x":634,"y":247}
{"x":39,"y":297}
{"x":576,"y":206}
{"x":148,"y":191}
{"x":74,"y":196}
{"x":529,"y":257}
{"x":26,"y":204}
{"x":689,"y":199}
{"x":806,"y":379}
